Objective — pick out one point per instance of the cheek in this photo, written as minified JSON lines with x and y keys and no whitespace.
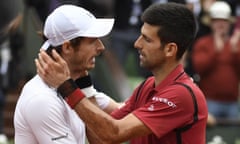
{"x":156,"y":55}
{"x":79,"y":59}
{"x":85,"y":59}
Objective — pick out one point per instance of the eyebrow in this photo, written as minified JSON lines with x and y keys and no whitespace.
{"x":144,"y":35}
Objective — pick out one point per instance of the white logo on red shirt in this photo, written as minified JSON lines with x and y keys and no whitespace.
{"x":164,"y":100}
{"x":151,"y":107}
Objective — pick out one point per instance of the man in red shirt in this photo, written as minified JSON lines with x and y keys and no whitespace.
{"x":168,"y":108}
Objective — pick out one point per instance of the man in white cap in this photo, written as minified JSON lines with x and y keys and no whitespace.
{"x":41,"y":116}
{"x":217,"y":63}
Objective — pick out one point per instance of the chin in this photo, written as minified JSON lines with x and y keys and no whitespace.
{"x":90,"y":67}
{"x":142,"y":65}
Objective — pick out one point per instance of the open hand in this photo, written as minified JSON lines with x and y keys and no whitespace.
{"x":54,"y":71}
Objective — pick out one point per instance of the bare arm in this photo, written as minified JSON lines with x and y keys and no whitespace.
{"x":107,"y":128}
{"x":92,"y":137}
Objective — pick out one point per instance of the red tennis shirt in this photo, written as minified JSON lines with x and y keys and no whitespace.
{"x":167,"y":107}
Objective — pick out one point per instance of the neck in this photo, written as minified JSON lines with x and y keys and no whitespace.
{"x":161,"y":73}
{"x":77,"y":74}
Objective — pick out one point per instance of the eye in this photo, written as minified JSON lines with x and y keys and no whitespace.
{"x":146,"y":39}
{"x":92,"y":40}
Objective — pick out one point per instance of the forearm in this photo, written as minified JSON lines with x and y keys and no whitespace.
{"x":108,"y":129}
{"x":112,"y":105}
{"x":92,"y":137}
{"x":102,"y":100}
{"x":103,"y":124}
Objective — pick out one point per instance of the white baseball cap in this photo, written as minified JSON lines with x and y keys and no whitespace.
{"x":69,"y":21}
{"x":220,"y":10}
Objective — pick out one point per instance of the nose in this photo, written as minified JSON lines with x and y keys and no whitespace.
{"x":137,"y":43}
{"x":100,"y":45}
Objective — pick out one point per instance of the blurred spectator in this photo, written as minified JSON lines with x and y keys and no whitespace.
{"x":9,"y":23}
{"x":195,"y":6}
{"x":100,"y":8}
{"x":126,"y":30}
{"x":235,"y":38}
{"x":218,"y":63}
{"x":201,"y":12}
{"x":44,"y":7}
{"x":204,"y":29}
{"x":211,"y":121}
{"x":236,"y":32}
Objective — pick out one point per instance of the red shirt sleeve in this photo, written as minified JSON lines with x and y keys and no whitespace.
{"x":167,"y":110}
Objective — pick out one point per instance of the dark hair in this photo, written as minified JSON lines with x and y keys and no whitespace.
{"x":176,"y":24}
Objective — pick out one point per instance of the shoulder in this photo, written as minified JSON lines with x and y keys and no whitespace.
{"x":180,"y":93}
{"x":176,"y":91}
{"x":39,"y":110}
{"x":149,"y":82}
{"x":144,"y":85}
{"x":187,"y":94}
{"x":37,"y":101}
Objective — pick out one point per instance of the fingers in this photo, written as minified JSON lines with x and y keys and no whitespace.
{"x":60,"y":61}
{"x":38,"y":67}
{"x":52,"y":72}
{"x":44,"y":57}
{"x":44,"y":63}
{"x":42,"y":68}
{"x":57,"y":57}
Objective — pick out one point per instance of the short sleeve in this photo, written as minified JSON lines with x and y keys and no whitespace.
{"x":167,"y":110}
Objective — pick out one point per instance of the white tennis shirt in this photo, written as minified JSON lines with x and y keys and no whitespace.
{"x":42,"y":117}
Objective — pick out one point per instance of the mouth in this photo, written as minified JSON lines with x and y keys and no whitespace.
{"x":140,"y":55}
{"x":93,"y":60}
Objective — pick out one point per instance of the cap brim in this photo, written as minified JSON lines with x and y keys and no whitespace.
{"x":45,"y":45}
{"x":206,"y":19}
{"x":100,"y":28}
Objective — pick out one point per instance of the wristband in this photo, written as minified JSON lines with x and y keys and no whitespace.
{"x":74,"y":98}
{"x":102,"y":100}
{"x":70,"y":92}
{"x":89,"y":91}
{"x":85,"y":84}
{"x":67,"y":88}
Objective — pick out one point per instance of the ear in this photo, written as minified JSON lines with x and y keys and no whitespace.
{"x":171,"y":49}
{"x":66,"y":47}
